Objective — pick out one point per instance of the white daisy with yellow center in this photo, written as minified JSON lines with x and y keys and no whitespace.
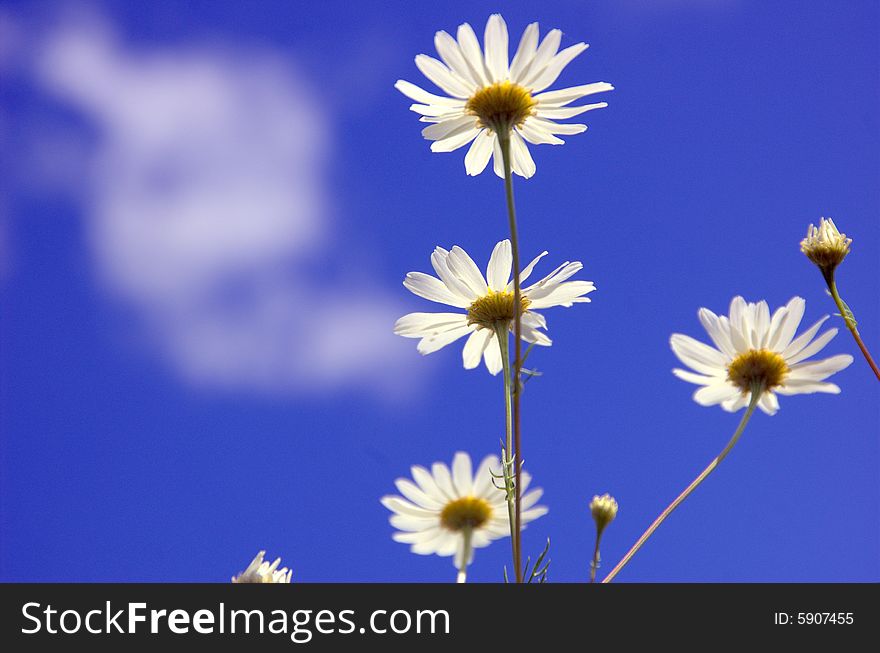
{"x":449,"y":512}
{"x":489,"y":94}
{"x":488,"y":301}
{"x":260,"y":571}
{"x":753,"y":349}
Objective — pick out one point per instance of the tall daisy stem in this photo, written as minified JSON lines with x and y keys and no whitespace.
{"x":594,"y":563}
{"x":467,"y":535}
{"x":848,"y":317}
{"x":504,"y":144}
{"x":501,"y":331}
{"x":757,"y":391}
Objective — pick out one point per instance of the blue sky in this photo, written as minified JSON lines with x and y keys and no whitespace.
{"x":207,"y":212}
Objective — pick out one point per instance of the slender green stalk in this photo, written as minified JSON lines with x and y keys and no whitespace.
{"x":848,"y":317}
{"x":501,"y":333}
{"x":467,"y":534}
{"x":594,"y":563}
{"x":757,"y":391}
{"x":504,"y":144}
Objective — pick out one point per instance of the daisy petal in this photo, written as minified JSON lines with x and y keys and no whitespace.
{"x":431,"y":288}
{"x":474,"y":347}
{"x":528,"y":45}
{"x":430,"y":344}
{"x":553,"y":69}
{"x":496,"y":39}
{"x":480,"y":152}
{"x":444,"y":78}
{"x":420,"y":95}
{"x":498,"y":270}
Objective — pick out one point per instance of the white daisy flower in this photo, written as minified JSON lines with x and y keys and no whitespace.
{"x":488,"y":301}
{"x":754,"y":349}
{"x":437,"y":509}
{"x":488,"y":94}
{"x":262,"y":572}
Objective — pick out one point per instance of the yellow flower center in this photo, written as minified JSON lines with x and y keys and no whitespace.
{"x":501,"y":106}
{"x":495,"y":307}
{"x":467,"y":512}
{"x":757,"y":367}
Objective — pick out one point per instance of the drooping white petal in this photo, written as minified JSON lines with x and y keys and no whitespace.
{"x":474,"y":347}
{"x":537,"y":135}
{"x":492,"y":357}
{"x":524,"y":165}
{"x":430,"y":344}
{"x":449,"y":128}
{"x":401,"y":507}
{"x":714,"y":394}
{"x":456,"y":140}
{"x":533,"y":335}
{"x":419,"y":325}
{"x":498,"y":270}
{"x":480,"y":152}
{"x":496,"y":39}
{"x":497,"y":158}
{"x":768,"y":403}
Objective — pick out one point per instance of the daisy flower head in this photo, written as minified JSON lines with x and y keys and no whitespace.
{"x":825,"y":246}
{"x":441,"y":508}
{"x":487,"y":301}
{"x":488,"y":94}
{"x":260,"y":571}
{"x":754,"y":350}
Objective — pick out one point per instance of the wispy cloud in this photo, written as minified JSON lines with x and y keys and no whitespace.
{"x":208,"y":212}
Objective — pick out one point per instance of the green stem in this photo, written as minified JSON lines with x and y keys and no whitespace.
{"x":467,"y":534}
{"x":594,"y":564}
{"x":504,"y":144}
{"x":847,"y":315}
{"x":757,"y":391}
{"x":501,"y":330}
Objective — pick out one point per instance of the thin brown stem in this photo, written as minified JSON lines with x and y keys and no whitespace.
{"x":847,"y":315}
{"x":756,"y":395}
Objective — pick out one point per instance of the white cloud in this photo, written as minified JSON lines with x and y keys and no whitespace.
{"x":206,"y":205}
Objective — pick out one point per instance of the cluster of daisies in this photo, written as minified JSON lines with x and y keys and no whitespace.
{"x":490,"y":102}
